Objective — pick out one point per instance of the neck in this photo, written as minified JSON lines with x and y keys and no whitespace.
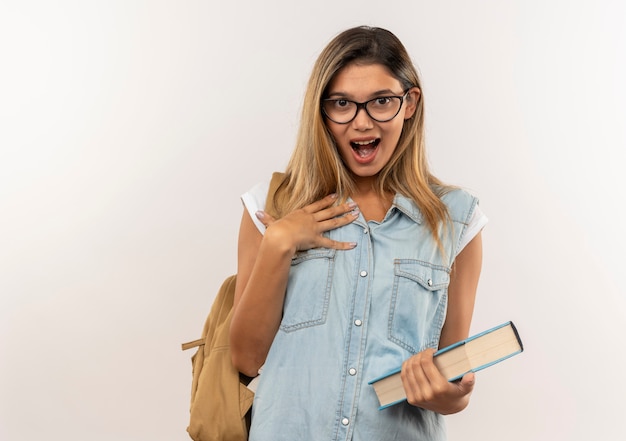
{"x":370,"y":202}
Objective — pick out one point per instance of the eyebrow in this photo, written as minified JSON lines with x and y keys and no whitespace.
{"x":381,"y":92}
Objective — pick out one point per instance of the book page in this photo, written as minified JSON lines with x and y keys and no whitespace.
{"x":492,"y":347}
{"x":453,"y":363}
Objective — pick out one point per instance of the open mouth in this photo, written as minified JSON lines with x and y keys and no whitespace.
{"x":365,"y":148}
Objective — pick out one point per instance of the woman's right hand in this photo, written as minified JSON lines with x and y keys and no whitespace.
{"x":263,"y":268}
{"x":303,"y":229}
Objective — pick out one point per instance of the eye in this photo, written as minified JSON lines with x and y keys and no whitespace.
{"x":382,"y":101}
{"x":342,"y":103}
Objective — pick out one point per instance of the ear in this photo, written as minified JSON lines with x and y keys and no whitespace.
{"x":411,"y":101}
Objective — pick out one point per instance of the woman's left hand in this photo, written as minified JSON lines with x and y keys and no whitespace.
{"x":425,"y":387}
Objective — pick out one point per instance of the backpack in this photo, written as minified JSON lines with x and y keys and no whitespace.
{"x":221,"y":402}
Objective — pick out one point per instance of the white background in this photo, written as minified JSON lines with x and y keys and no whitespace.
{"x":128,"y":130}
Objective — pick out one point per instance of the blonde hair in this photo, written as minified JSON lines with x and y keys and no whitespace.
{"x":316,"y":168}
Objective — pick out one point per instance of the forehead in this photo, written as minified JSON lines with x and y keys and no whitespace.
{"x":363,"y":79}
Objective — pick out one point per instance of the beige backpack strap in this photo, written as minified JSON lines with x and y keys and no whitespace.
{"x":193,"y":344}
{"x":270,"y":204}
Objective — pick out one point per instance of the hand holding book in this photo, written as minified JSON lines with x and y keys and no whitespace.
{"x":452,"y":363}
{"x":427,"y":388}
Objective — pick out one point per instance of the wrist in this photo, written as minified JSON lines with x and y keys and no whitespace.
{"x":276,"y":241}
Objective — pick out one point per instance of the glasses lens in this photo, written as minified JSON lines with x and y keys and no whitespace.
{"x":340,"y":111}
{"x":384,"y":108}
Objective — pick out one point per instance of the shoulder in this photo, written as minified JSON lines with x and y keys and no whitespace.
{"x":463,"y":209}
{"x":461,"y":203}
{"x":255,"y":200}
{"x":255,"y":197}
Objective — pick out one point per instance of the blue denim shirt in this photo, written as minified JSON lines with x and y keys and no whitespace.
{"x":351,"y":316}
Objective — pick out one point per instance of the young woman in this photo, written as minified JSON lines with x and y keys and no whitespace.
{"x":367,"y":263}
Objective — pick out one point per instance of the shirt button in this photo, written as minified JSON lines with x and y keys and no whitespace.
{"x":345,"y":421}
{"x":430,"y":282}
{"x":363,"y":273}
{"x":358,"y":322}
{"x":352,"y":372}
{"x":365,"y":231}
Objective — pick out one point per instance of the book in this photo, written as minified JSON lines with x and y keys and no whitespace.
{"x":470,"y":355}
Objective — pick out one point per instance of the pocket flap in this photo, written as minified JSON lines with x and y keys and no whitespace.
{"x":431,"y":277}
{"x":314,"y":253}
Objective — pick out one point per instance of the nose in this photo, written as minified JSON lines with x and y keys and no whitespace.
{"x":362,"y":120}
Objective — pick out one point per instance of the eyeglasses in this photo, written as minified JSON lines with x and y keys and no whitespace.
{"x":380,"y":109}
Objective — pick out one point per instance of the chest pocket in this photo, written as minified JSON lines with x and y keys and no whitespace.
{"x":308,"y":296}
{"x":418,"y":304}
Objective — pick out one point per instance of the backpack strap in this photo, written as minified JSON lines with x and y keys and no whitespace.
{"x":193,"y":344}
{"x":270,"y":203}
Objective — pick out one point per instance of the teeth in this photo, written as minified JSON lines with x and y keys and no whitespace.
{"x":364,"y":142}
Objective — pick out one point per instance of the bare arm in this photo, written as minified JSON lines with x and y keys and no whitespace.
{"x":256,"y":319}
{"x":263,"y":269}
{"x":423,"y":383}
{"x":462,"y":292}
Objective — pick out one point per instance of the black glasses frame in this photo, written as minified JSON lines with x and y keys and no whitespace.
{"x":363,"y":105}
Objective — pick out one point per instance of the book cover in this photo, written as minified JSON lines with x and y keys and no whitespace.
{"x":470,"y":355}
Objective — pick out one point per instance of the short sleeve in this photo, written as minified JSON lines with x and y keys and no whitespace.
{"x":254,"y":200}
{"x":476,"y":223}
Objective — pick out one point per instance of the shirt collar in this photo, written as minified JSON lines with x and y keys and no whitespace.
{"x":408,"y":207}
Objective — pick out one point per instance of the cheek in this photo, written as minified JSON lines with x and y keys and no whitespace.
{"x":395,"y":131}
{"x":335,"y":132}
{"x":343,"y":150}
{"x":338,"y":136}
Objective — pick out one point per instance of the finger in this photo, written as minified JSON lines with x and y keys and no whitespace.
{"x":466,"y":385}
{"x":429,"y":367}
{"x":335,"y":211}
{"x":439,"y":384}
{"x":340,"y":221}
{"x":336,"y":245}
{"x":416,"y":383}
{"x":265,"y":218}
{"x":321,"y":204}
